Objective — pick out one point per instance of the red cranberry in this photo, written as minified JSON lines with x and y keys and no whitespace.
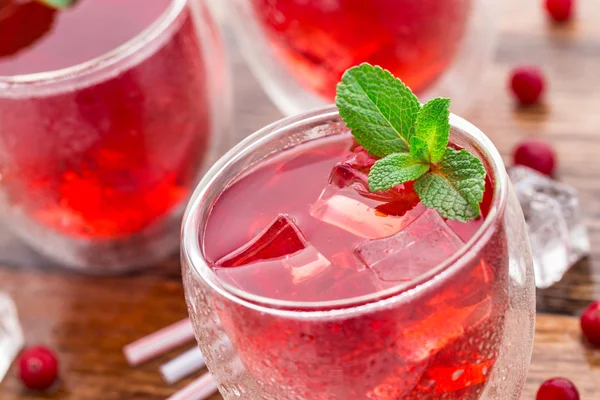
{"x":38,"y":368}
{"x":536,"y":155}
{"x":590,"y":323}
{"x":527,"y":84}
{"x":560,"y":10}
{"x":557,"y":389}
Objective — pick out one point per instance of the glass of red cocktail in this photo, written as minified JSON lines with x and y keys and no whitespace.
{"x":108,"y":112}
{"x":299,"y":48}
{"x":302,"y":284}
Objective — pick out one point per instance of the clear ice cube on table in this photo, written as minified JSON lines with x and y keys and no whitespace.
{"x":548,"y":236}
{"x":11,"y":335}
{"x":555,"y":223}
{"x":420,"y":246}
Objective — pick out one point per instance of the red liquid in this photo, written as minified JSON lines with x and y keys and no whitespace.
{"x":115,"y":155}
{"x":318,"y":39}
{"x":270,"y":235}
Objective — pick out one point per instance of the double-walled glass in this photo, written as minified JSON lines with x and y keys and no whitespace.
{"x":465,"y":326}
{"x":98,"y":160}
{"x":299,"y":49}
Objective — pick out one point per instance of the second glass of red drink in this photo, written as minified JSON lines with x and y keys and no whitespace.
{"x":299,"y":49}
{"x":108,"y":112}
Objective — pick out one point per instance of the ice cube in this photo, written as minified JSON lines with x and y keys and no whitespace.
{"x":399,"y":383}
{"x":527,"y":180}
{"x":345,"y":284}
{"x":306,"y":264}
{"x":428,"y":335}
{"x":280,"y":238}
{"x":447,"y":316}
{"x":564,"y":210}
{"x":276,"y":263}
{"x":347,"y":203}
{"x":282,"y":278}
{"x":420,"y":246}
{"x":306,"y":275}
{"x":11,"y":335}
{"x":267,"y":278}
{"x":548,"y":236}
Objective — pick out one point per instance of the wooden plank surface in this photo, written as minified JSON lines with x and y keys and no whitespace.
{"x":88,"y":320}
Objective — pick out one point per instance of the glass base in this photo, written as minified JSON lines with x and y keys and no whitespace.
{"x":87,"y":255}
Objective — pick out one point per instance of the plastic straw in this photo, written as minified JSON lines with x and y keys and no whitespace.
{"x":200,"y":389}
{"x":159,"y":342}
{"x":182,"y":366}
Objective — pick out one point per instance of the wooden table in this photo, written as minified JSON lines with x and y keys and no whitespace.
{"x":88,"y":320}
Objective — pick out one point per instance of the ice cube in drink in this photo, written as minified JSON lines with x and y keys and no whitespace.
{"x":424,"y":243}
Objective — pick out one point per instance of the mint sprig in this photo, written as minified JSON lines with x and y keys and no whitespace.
{"x":57,"y":4}
{"x":397,"y":167}
{"x":380,"y":110}
{"x":455,"y":186}
{"x":433,"y":127}
{"x":411,"y":140}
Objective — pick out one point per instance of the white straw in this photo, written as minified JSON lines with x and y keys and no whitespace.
{"x":200,"y":389}
{"x":182,"y":366}
{"x":159,"y":342}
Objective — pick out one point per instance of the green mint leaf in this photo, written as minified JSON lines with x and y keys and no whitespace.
{"x":419,"y":149}
{"x":58,"y":4}
{"x":433,"y":127}
{"x":455,"y":187}
{"x":380,"y":110}
{"x":389,"y":122}
{"x":395,"y":169}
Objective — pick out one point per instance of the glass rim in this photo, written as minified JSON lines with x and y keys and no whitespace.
{"x":192,"y":253}
{"x":119,"y":53}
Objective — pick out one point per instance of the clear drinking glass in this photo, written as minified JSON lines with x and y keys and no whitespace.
{"x":396,"y":343}
{"x":299,"y":49}
{"x":97,"y":160}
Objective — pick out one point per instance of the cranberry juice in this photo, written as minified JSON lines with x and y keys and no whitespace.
{"x":116,"y":150}
{"x":416,"y":40}
{"x":302,"y":227}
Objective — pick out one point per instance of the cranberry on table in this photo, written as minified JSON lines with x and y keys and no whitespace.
{"x":560,"y":10}
{"x":536,"y":155}
{"x":38,"y":368}
{"x":527,"y":84}
{"x":557,"y":389}
{"x":590,"y":323}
